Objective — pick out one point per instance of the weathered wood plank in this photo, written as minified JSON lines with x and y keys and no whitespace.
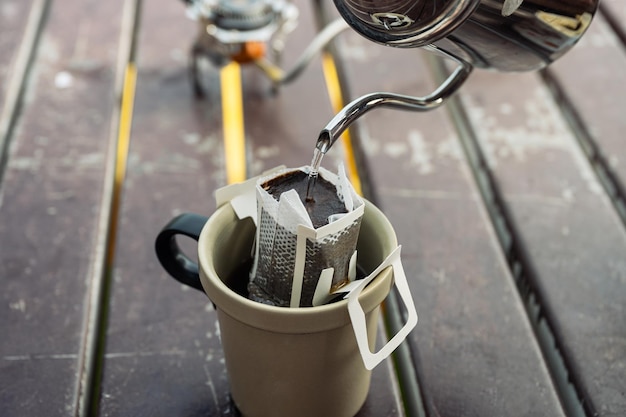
{"x":592,"y":83}
{"x":283,"y":129}
{"x":572,"y":237}
{"x":616,"y":11}
{"x":163,"y":355}
{"x":474,"y":342}
{"x":13,"y":21}
{"x":50,"y":197}
{"x":162,"y":351}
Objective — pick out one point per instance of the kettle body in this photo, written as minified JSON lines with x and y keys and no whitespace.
{"x":506,"y":35}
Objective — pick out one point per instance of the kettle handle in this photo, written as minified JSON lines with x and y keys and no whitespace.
{"x":367,"y":102}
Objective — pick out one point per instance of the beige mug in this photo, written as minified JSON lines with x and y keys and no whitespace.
{"x":281,"y":361}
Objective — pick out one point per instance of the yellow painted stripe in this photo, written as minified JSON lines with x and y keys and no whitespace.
{"x":336,"y":100}
{"x":123,"y":144}
{"x":126,"y":117}
{"x":232,"y":115}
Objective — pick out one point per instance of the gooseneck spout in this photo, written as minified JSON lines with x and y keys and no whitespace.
{"x":358,"y":107}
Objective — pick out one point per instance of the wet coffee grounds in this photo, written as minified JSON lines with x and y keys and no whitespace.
{"x":324,"y":201}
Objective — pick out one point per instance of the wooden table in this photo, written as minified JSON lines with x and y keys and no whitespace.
{"x":509,"y":202}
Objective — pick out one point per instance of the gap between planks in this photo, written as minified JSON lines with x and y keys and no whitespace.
{"x":91,"y":354}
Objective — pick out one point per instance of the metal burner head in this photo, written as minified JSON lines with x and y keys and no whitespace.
{"x":243,"y":15}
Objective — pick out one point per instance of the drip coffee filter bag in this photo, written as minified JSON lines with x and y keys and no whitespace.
{"x":298,"y":262}
{"x":304,"y":250}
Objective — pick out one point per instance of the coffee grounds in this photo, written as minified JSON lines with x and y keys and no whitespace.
{"x":323,"y":203}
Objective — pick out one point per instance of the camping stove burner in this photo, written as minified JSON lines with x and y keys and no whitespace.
{"x":238,"y":30}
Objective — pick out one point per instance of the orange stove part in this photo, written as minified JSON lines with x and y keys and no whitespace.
{"x":250,"y":51}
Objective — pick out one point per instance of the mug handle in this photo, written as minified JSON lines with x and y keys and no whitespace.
{"x":172,"y":258}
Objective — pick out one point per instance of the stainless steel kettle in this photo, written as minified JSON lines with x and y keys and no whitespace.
{"x":506,"y":35}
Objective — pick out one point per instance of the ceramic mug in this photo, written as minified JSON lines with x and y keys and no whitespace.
{"x":289,"y":361}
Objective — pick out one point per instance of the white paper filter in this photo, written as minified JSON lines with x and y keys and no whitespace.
{"x":295,"y":264}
